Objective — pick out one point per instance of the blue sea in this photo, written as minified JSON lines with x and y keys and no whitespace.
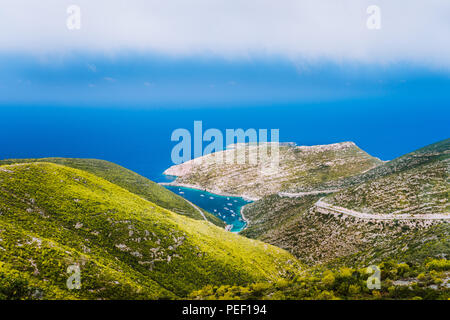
{"x":139,"y":138}
{"x":224,"y":207}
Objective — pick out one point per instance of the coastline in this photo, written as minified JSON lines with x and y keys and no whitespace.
{"x":244,"y":218}
{"x":223,"y":194}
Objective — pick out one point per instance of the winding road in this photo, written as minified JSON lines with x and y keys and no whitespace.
{"x":324,"y":207}
{"x":197,"y":208}
{"x":327,"y":208}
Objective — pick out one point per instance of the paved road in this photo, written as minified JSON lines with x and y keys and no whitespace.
{"x":198,"y":209}
{"x":302,"y":194}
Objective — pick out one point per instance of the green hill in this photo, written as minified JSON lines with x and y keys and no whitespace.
{"x":398,"y":281}
{"x":433,"y":152}
{"x":294,"y":224}
{"x":131,"y":181}
{"x":416,"y":183}
{"x":270,"y":215}
{"x":53,"y":216}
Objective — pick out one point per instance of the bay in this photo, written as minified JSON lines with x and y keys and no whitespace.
{"x":226,"y":208}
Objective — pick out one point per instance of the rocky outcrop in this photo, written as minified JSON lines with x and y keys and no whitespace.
{"x":297,"y":169}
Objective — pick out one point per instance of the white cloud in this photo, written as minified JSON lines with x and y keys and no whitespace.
{"x":412,"y":30}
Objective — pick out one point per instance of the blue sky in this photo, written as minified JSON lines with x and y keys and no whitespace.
{"x":145,"y":80}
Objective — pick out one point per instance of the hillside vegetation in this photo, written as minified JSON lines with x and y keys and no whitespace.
{"x":417,"y":183}
{"x":274,"y":213}
{"x":428,"y":154}
{"x":102,"y":219}
{"x":53,"y":216}
{"x":398,"y":280}
{"x":301,"y":169}
{"x":130,"y":181}
{"x":411,"y":252}
{"x":316,"y":238}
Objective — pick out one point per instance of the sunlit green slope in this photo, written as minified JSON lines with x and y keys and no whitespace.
{"x":53,"y":216}
{"x":131,"y":181}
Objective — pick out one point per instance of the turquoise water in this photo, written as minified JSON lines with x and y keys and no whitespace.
{"x":226,"y":208}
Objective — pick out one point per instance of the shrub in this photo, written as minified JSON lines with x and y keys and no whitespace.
{"x":438,"y":265}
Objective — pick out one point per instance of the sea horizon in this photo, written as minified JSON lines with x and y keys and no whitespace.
{"x":139,"y":139}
